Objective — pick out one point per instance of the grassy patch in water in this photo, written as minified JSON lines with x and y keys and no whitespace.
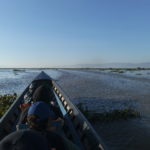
{"x":18,"y":70}
{"x":108,"y":116}
{"x":117,"y":71}
{"x":138,"y":74}
{"x":122,"y":70}
{"x":5,"y":102}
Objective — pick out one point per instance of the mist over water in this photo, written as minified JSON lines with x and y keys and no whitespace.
{"x":101,"y":91}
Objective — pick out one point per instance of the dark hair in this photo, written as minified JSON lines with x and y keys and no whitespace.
{"x":42,"y":93}
{"x":35,"y":124}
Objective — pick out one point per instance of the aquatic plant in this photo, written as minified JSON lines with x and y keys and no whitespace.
{"x":108,"y":116}
{"x":138,"y":74}
{"x":117,"y":70}
{"x":5,"y":102}
{"x":18,"y":70}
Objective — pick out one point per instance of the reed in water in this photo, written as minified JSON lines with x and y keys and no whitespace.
{"x":108,"y":116}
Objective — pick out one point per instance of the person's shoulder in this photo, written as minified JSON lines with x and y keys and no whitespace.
{"x":56,"y":140}
{"x":69,"y":145}
{"x":22,"y":140}
{"x":52,"y":134}
{"x":61,"y":141}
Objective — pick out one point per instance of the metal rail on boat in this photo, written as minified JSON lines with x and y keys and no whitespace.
{"x":85,"y":131}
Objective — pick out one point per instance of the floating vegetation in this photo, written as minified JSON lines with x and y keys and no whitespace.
{"x":112,"y":69}
{"x":16,"y":70}
{"x":129,"y":69}
{"x":5,"y":102}
{"x":108,"y":116}
{"x":19,"y":70}
{"x":138,"y":74}
{"x":117,"y":71}
{"x":122,"y":70}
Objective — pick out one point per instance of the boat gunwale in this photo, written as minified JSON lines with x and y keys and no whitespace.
{"x":82,"y":119}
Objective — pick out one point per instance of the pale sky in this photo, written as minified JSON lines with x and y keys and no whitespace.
{"x":54,"y":33}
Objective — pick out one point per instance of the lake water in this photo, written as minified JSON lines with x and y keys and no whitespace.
{"x":102,"y":91}
{"x":16,"y":81}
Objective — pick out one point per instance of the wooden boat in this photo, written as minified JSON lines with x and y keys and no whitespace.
{"x":76,"y":127}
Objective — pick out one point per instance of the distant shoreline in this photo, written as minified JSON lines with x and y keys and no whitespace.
{"x":90,"y":68}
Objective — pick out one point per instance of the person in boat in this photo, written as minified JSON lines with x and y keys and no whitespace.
{"x":25,"y":140}
{"x":39,"y":119}
{"x":42,"y":93}
{"x":46,"y":94}
{"x":41,"y":109}
{"x":28,"y":96}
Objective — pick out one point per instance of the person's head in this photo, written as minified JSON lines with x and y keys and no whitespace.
{"x":24,"y":140}
{"x":42,"y":93}
{"x":38,"y":115}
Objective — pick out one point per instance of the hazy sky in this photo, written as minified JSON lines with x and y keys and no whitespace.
{"x":50,"y":33}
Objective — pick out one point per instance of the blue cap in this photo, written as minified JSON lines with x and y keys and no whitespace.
{"x":41,"y":109}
